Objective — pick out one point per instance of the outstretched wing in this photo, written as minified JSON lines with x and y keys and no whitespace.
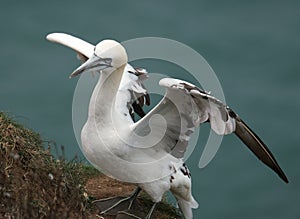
{"x":132,"y":80}
{"x":185,"y":106}
{"x":84,"y":49}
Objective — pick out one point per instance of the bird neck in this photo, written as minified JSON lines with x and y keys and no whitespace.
{"x":101,"y":107}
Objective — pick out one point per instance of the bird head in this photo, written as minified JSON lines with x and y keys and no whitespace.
{"x":108,"y":56}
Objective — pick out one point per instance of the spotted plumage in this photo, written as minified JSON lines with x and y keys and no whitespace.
{"x":185,"y":171}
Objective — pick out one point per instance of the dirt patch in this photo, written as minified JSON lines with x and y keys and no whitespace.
{"x":102,"y":187}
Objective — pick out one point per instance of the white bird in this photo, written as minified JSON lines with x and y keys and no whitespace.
{"x":150,"y":152}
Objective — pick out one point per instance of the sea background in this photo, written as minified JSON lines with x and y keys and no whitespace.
{"x":253,"y":46}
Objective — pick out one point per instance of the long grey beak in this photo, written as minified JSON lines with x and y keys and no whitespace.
{"x":94,"y":63}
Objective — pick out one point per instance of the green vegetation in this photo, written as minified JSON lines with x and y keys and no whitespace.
{"x":33,"y":184}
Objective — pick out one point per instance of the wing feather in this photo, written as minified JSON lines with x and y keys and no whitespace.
{"x":257,"y":146}
{"x":84,"y":49}
{"x":185,"y":106}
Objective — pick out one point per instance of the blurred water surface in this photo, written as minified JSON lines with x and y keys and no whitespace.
{"x":253,"y":46}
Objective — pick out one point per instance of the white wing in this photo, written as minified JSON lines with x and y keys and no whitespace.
{"x":185,"y":106}
{"x":84,"y":49}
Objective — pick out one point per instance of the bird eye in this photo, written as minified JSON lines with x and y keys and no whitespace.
{"x":107,"y":60}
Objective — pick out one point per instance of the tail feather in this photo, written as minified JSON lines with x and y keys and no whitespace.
{"x":186,"y":207}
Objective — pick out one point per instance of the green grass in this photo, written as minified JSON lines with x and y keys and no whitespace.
{"x":34,"y":184}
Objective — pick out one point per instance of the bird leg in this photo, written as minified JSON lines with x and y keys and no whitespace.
{"x":133,"y":196}
{"x":123,"y":201}
{"x":149,"y":215}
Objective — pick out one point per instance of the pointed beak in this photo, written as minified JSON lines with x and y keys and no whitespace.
{"x":94,"y":63}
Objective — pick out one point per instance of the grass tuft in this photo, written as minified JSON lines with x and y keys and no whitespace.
{"x":33,"y":184}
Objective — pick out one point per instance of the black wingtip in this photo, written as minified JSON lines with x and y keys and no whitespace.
{"x":283,"y":177}
{"x":280,"y":172}
{"x":256,"y":145}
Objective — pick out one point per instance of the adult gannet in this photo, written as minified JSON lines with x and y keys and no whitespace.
{"x":150,"y":152}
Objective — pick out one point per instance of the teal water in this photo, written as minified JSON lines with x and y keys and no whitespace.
{"x":253,"y":46}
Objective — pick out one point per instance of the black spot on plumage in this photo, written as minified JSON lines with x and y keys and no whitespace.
{"x":185,"y":171}
{"x":138,"y":72}
{"x":189,"y":88}
{"x":172,"y":178}
{"x":132,"y":72}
